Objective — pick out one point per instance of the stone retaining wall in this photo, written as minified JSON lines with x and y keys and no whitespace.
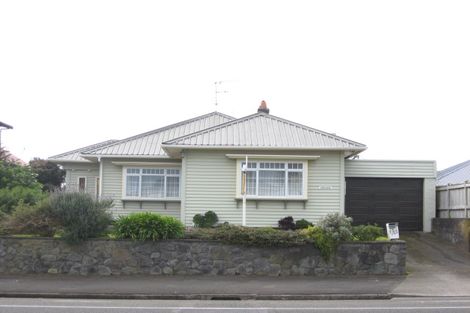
{"x":191,"y":257}
{"x":455,"y":230}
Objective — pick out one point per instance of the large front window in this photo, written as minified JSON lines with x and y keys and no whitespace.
{"x":274,"y":179}
{"x":152,"y":183}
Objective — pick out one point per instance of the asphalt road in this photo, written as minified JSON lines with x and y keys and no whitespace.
{"x":415,"y":305}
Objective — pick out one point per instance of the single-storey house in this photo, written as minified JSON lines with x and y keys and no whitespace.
{"x":196,"y":165}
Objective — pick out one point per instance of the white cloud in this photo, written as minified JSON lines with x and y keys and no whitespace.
{"x":393,"y":75}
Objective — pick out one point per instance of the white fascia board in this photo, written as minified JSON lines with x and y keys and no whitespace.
{"x":58,"y":161}
{"x":130,"y":156}
{"x":175,"y":150}
{"x":272,"y":157}
{"x":130,"y":163}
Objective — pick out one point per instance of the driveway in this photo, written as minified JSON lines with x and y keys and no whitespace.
{"x":435,"y":267}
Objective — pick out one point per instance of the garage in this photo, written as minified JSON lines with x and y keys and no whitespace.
{"x":383,"y":200}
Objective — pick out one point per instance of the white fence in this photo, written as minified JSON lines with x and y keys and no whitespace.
{"x":452,"y":201}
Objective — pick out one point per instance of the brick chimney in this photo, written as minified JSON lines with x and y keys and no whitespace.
{"x":263,"y":107}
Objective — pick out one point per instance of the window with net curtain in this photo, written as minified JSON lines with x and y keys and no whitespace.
{"x":152,"y":183}
{"x":274,"y":179}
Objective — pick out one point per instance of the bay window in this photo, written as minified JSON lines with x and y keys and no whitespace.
{"x":152,"y":183}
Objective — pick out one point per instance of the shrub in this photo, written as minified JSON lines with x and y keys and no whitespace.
{"x":148,"y":226}
{"x":286,"y":223}
{"x":209,"y":219}
{"x":302,"y":224}
{"x":338,"y":226}
{"x":80,"y":215}
{"x":31,"y":220}
{"x":331,"y":230}
{"x":367,"y":232}
{"x":249,"y":236}
{"x":321,"y":240}
{"x":11,"y":197}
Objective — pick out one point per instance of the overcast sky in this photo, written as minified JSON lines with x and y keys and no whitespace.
{"x":394,"y":75}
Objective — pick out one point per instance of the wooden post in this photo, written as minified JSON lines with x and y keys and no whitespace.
{"x":465,"y":187}
{"x":448,"y":200}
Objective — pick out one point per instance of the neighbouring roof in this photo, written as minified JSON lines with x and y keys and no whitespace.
{"x":75,"y":155}
{"x":456,"y":174}
{"x":6,"y":125}
{"x":263,"y":131}
{"x":149,"y":143}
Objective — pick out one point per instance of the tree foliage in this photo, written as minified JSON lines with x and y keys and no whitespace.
{"x":49,"y":174}
{"x":17,"y":184}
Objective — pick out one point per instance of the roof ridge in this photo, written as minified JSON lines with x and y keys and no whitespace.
{"x":205,"y":130}
{"x":86,"y":148}
{"x":248,"y":117}
{"x":452,"y":169}
{"x":161,"y":129}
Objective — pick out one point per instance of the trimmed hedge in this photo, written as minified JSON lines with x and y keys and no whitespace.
{"x":249,"y":236}
{"x":148,"y":226}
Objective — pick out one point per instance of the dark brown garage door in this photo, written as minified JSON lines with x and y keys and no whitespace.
{"x":384,"y":200}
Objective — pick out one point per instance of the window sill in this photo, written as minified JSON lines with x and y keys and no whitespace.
{"x":142,"y":200}
{"x":284,"y":200}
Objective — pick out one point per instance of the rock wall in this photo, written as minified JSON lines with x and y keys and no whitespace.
{"x":191,"y":257}
{"x":455,"y":230}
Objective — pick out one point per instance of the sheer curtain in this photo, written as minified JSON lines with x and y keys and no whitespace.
{"x":272,"y":183}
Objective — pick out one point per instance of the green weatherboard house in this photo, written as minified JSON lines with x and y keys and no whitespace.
{"x":195,"y":166}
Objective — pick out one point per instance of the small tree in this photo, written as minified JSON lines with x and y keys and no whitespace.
{"x":49,"y":174}
{"x":17,"y":183}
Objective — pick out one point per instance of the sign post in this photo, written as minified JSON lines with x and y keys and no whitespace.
{"x":392,"y":231}
{"x":244,"y":167}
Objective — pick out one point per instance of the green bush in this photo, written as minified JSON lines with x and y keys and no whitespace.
{"x":79,"y":215}
{"x":331,"y":230}
{"x":302,"y":224}
{"x":249,"y":236}
{"x":11,"y":197}
{"x":322,"y":240}
{"x":30,"y":219}
{"x":148,"y":226}
{"x":14,"y":175}
{"x":367,"y":232}
{"x":209,"y":219}
{"x":338,"y":226}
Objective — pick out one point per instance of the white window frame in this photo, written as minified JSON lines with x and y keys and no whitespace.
{"x":165,"y":175}
{"x":85,"y":185}
{"x":304,"y":171}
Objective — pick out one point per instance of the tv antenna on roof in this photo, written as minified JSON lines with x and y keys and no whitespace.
{"x":217,"y":86}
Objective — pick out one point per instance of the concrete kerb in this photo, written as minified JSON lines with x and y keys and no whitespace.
{"x":216,"y":297}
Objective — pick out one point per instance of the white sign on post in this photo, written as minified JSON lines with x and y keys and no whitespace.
{"x":392,"y":231}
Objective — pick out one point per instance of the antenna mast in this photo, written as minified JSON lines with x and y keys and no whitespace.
{"x":217,"y":91}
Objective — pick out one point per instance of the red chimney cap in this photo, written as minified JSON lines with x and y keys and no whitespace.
{"x":263,"y":107}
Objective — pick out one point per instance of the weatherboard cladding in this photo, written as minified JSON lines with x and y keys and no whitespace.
{"x":74,"y":155}
{"x":211,"y":185}
{"x":390,"y":168}
{"x":149,"y":144}
{"x":262,"y":130}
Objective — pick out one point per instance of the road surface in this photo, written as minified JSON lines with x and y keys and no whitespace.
{"x":403,"y":305}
